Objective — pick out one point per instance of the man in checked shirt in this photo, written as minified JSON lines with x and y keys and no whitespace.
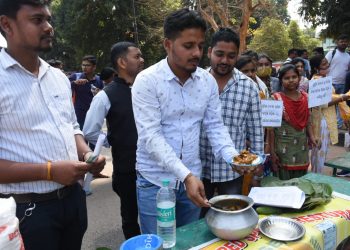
{"x":240,"y":107}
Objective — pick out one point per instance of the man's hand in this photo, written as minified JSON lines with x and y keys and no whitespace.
{"x":98,"y":165}
{"x":195,"y":191}
{"x":80,"y":81}
{"x":68,"y":172}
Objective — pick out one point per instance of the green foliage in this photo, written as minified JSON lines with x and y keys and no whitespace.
{"x":275,"y":38}
{"x":271,"y":38}
{"x":276,"y":9}
{"x":311,"y":43}
{"x":333,"y":13}
{"x":296,"y":35}
{"x":91,"y":27}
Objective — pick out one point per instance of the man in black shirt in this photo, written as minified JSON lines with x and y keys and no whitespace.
{"x":114,"y":104}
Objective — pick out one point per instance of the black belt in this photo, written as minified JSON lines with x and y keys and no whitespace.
{"x":35,"y":197}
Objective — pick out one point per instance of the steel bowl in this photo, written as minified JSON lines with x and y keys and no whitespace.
{"x":232,"y":225}
{"x":281,"y":228}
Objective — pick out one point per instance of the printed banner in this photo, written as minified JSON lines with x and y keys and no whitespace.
{"x":326,"y":226}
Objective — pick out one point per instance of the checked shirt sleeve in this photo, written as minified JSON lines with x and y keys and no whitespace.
{"x":255,"y":131}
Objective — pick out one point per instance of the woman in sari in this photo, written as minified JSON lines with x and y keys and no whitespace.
{"x":289,"y":147}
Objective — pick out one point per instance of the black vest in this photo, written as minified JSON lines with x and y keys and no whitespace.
{"x":122,"y":133}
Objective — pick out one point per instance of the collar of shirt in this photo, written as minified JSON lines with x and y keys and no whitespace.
{"x":236,"y":76}
{"x":170,"y":74}
{"x":8,"y":61}
{"x":122,"y":81}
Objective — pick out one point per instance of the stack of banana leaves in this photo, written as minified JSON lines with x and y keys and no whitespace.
{"x":315,"y":194}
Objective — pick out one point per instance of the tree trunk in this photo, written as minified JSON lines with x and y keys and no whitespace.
{"x":221,"y":10}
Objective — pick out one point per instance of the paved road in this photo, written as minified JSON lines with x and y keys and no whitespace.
{"x":104,"y":228}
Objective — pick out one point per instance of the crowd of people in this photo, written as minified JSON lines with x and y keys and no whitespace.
{"x":173,"y":120}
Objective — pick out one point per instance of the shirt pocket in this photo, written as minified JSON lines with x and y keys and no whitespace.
{"x":63,"y":106}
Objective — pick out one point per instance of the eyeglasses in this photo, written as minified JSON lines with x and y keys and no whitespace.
{"x":86,"y":65}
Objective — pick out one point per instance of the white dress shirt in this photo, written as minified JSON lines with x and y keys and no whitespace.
{"x":168,"y":118}
{"x":95,"y":117}
{"x":37,"y":120}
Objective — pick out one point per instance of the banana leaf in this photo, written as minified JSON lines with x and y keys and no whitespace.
{"x":315,"y":193}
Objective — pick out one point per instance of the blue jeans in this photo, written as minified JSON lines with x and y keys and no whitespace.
{"x":339,"y":89}
{"x":186,"y":212}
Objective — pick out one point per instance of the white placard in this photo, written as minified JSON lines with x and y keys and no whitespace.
{"x":287,"y":196}
{"x":271,"y":113}
{"x":320,"y":91}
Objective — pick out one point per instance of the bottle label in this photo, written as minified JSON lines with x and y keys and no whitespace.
{"x":166,"y":214}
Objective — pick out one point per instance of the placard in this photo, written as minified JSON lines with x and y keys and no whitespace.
{"x":320,"y":91}
{"x":271,"y":113}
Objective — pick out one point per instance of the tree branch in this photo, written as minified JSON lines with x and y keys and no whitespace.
{"x":208,"y":18}
{"x":219,"y":11}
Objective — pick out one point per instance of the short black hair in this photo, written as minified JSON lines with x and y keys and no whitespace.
{"x":343,"y":37}
{"x":119,"y":50}
{"x":180,"y":20}
{"x":296,"y":60}
{"x":284,"y":69}
{"x":90,"y":58}
{"x":262,"y":55}
{"x":315,"y":63}
{"x":107,"y":73}
{"x":244,"y":60}
{"x":292,"y":51}
{"x":226,"y":35}
{"x":300,"y":52}
{"x":252,"y":54}
{"x":319,"y":50}
{"x":10,"y":8}
{"x":54,"y":62}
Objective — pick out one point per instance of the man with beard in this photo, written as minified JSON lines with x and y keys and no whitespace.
{"x":114,"y":104}
{"x":41,"y":143}
{"x":240,"y":106}
{"x":171,"y":100}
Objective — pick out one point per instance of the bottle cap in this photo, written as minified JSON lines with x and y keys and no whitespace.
{"x":165,"y":182}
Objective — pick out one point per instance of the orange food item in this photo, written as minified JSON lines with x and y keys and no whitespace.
{"x":245,"y":157}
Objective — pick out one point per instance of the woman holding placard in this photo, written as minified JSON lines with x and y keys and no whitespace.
{"x":289,"y":147}
{"x":324,"y":118}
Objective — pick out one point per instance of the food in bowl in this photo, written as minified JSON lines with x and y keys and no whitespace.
{"x":245,"y":157}
{"x":231,"y":204}
{"x":231,"y":225}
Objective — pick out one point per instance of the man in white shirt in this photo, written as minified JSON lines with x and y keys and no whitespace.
{"x":171,"y":100}
{"x":41,"y":143}
{"x":292,"y":53}
{"x":114,"y":104}
{"x":339,"y":65}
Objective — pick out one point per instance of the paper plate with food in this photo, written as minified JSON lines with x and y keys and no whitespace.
{"x":248,"y":160}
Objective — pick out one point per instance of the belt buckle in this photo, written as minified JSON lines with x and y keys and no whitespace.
{"x":60,"y":194}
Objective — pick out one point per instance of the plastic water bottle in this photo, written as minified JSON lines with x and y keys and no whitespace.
{"x":166,"y":223}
